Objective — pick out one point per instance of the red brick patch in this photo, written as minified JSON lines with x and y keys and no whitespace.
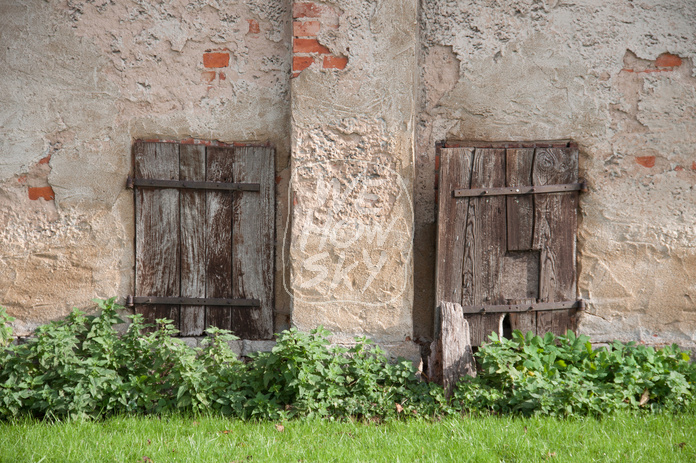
{"x":335,"y":62}
{"x":216,"y":60}
{"x":646,"y":161}
{"x":301,"y":62}
{"x":253,"y":26}
{"x":308,"y":10}
{"x":306,"y":28}
{"x":667,"y":60}
{"x":45,"y":192}
{"x":308,"y":46}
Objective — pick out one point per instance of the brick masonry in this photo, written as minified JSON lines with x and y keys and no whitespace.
{"x":309,"y":20}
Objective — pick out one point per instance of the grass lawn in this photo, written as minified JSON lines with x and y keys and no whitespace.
{"x":620,"y":438}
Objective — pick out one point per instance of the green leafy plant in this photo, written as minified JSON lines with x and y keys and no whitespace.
{"x":565,"y":376}
{"x":82,"y":367}
{"x":5,"y":328}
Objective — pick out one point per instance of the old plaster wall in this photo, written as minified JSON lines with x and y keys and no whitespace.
{"x":375,"y":84}
{"x":618,"y":78}
{"x":352,"y":144}
{"x":81,"y":81}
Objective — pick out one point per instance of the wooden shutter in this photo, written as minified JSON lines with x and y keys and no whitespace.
{"x":205,"y":231}
{"x":507,"y":220}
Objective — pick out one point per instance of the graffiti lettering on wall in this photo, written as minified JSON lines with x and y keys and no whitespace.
{"x":353,"y":221}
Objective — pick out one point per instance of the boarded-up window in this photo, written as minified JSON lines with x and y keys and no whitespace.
{"x":204,"y":236}
{"x":507,"y":221}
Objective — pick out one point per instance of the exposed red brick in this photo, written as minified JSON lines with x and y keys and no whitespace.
{"x":646,"y":161}
{"x":45,"y":160}
{"x":668,"y":60}
{"x":679,"y":168}
{"x":216,"y":60}
{"x":295,"y":74}
{"x":693,"y":165}
{"x":222,"y":75}
{"x":335,"y":62}
{"x":437,"y":162}
{"x":306,"y":28}
{"x":301,"y":62}
{"x":253,"y":26}
{"x":308,"y":46}
{"x":208,"y":76}
{"x":309,"y":10}
{"x":45,"y":192}
{"x":278,"y":179}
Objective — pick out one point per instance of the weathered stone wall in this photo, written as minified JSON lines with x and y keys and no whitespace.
{"x":360,"y":92}
{"x":617,"y":77}
{"x":352,"y":142}
{"x":81,"y":81}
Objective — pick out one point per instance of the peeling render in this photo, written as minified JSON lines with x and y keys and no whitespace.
{"x":83,"y":80}
{"x":617,"y":78}
{"x":354,"y":95}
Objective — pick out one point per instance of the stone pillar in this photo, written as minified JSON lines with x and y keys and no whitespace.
{"x":349,"y":241}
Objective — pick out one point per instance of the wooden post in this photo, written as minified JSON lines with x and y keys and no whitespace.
{"x":451,"y":356}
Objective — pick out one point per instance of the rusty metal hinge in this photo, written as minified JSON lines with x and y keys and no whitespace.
{"x":519,"y":190}
{"x":132,"y":300}
{"x":534,"y":307}
{"x":190,"y":185}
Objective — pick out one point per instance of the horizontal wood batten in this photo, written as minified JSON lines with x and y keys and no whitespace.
{"x":214,"y":143}
{"x":191,"y":185}
{"x":131,"y":300}
{"x":563,"y":143}
{"x":518,"y":190}
{"x":537,"y":307}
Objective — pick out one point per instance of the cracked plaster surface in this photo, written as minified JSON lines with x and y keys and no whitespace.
{"x":529,"y":70}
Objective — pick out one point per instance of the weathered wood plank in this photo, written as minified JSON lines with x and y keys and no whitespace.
{"x":192,"y":167}
{"x":253,"y":236}
{"x":157,"y":229}
{"x":521,"y":269}
{"x":218,"y":236}
{"x":520,"y":209}
{"x":555,"y":224}
{"x":451,"y":356}
{"x":455,"y":172}
{"x":485,"y":243}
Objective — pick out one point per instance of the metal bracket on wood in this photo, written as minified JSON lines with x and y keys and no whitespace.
{"x":518,"y":190}
{"x":133,"y":300}
{"x":534,"y":307}
{"x":190,"y":185}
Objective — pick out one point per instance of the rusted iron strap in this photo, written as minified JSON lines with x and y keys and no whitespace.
{"x":132,"y":300}
{"x":191,"y":185}
{"x":535,"y":307}
{"x":518,"y":190}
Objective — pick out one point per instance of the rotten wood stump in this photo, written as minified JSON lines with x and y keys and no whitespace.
{"x":451,"y":356}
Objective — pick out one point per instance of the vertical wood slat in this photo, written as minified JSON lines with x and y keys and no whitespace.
{"x":193,"y":216}
{"x":218,"y":232}
{"x":520,"y":209}
{"x":555,"y":222}
{"x":157,"y":264}
{"x":520,"y":228}
{"x":253,"y":238}
{"x":455,"y":172}
{"x":485,"y":242}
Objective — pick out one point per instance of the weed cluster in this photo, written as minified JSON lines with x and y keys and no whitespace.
{"x":82,"y":367}
{"x":565,"y":376}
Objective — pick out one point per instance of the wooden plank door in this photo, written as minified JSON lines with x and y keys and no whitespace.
{"x":497,"y":249}
{"x":204,"y":242}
